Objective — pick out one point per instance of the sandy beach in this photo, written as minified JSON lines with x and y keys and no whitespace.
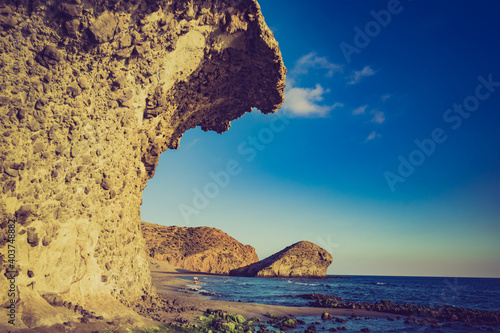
{"x":167,"y":282}
{"x":186,"y":307}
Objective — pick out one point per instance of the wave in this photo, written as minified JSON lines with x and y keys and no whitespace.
{"x":303,"y":283}
{"x":359,"y":289}
{"x":193,"y":286}
{"x":307,"y":284}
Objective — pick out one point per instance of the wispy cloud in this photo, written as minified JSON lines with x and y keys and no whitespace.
{"x":385,"y":97}
{"x":305,"y":102}
{"x":312,"y":61}
{"x":192,"y":143}
{"x":379,"y":117}
{"x":360,"y":110}
{"x":359,"y":75}
{"x":372,"y":136}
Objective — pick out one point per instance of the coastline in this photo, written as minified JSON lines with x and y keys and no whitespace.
{"x":166,"y":279}
{"x":175,"y":304}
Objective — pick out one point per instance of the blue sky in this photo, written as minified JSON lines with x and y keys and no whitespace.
{"x":385,"y":152}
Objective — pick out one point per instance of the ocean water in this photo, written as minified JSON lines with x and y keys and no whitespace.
{"x":473,"y":293}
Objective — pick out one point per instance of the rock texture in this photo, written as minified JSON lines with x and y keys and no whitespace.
{"x":302,"y":259}
{"x":91,"y":93}
{"x":199,"y":249}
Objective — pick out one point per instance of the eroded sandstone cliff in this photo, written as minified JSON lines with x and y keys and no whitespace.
{"x":302,"y":259}
{"x":91,"y":93}
{"x":199,"y":249}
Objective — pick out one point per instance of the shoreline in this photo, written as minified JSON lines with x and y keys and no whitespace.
{"x":166,"y":279}
{"x":167,"y":282}
{"x":178,"y":307}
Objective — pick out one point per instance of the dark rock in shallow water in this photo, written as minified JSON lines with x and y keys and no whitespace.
{"x":326,"y":316}
{"x":445,"y":314}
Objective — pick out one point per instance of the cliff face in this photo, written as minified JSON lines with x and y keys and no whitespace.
{"x":302,"y":259}
{"x":200,"y":249}
{"x":92,"y":92}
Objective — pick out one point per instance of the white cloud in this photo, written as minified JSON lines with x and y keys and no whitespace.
{"x":372,"y":136}
{"x":385,"y":97}
{"x":360,"y":110}
{"x":379,"y":117}
{"x":312,"y":61}
{"x":308,"y":102}
{"x":359,"y":75}
{"x":305,"y":102}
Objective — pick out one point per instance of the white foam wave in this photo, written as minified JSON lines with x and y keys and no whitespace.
{"x":303,"y":283}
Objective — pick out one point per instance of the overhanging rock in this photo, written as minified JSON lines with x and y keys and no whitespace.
{"x":92,"y":92}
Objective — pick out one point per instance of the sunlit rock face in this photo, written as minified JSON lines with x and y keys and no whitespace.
{"x":198,"y":249}
{"x":302,"y":259}
{"x":92,"y":92}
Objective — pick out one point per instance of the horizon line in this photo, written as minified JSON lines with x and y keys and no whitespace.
{"x":429,"y":276}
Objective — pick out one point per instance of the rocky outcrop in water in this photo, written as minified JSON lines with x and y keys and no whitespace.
{"x":417,"y":314}
{"x":199,"y":249}
{"x":92,"y":92}
{"x":302,"y":259}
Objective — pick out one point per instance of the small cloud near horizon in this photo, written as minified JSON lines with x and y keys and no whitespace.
{"x":360,"y":110}
{"x":304,"y":102}
{"x":379,"y":117}
{"x":357,"y":76}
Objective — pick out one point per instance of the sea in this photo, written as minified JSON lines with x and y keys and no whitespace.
{"x":472,"y":293}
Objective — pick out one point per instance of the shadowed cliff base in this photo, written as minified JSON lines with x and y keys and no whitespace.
{"x":92,"y":93}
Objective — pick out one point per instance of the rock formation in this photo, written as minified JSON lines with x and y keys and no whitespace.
{"x":92,"y":92}
{"x":302,"y":259}
{"x":199,"y":249}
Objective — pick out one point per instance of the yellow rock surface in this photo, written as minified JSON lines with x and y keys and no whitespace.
{"x":91,"y":94}
{"x":198,"y":249}
{"x":302,"y":259}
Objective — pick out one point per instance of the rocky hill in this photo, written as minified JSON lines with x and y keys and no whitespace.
{"x":92,"y":92}
{"x":302,"y":259}
{"x":199,"y":249}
